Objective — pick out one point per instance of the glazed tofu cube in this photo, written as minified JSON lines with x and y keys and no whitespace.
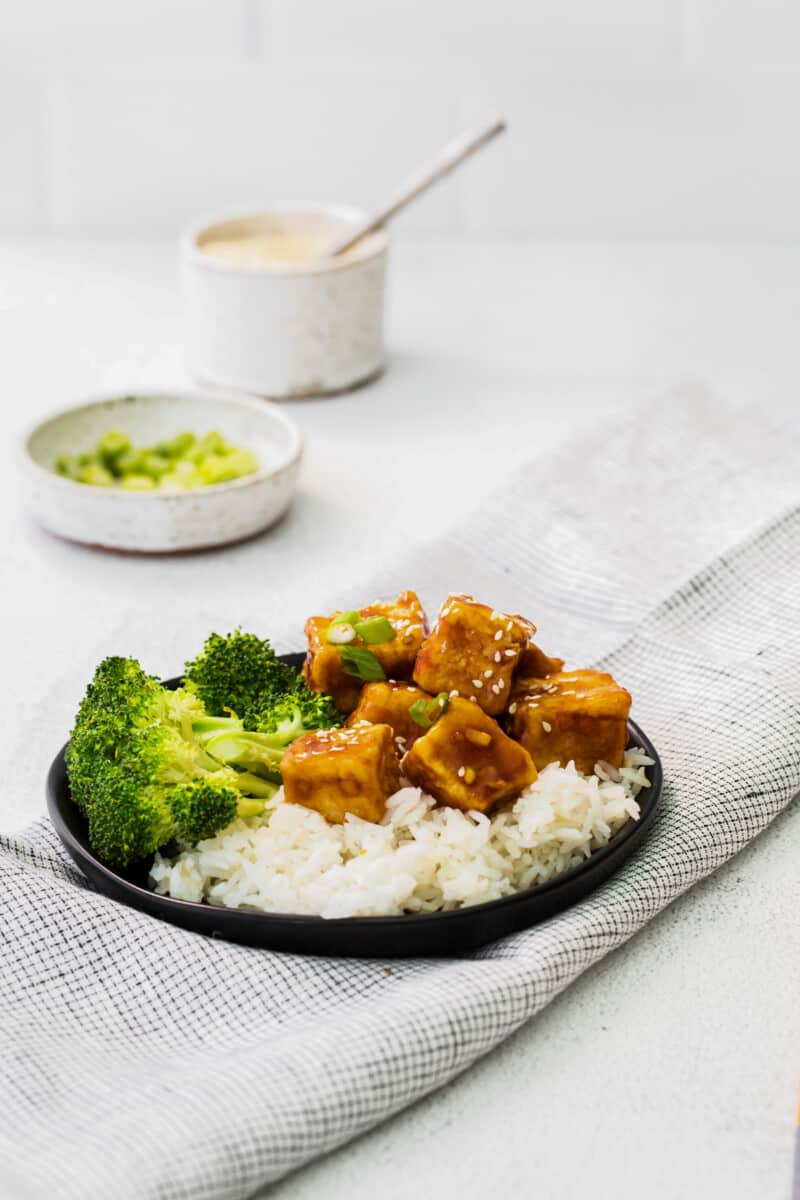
{"x":341,"y":771}
{"x":535,"y":664}
{"x":571,"y":715}
{"x":472,"y":651}
{"x":465,"y":760}
{"x":325,"y":669}
{"x":390,"y":704}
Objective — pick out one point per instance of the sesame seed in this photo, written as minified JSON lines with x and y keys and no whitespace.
{"x":569,"y":692}
{"x":475,"y":698}
{"x":546,"y":726}
{"x":498,"y":635}
{"x":497,"y":656}
{"x":509,"y":626}
{"x":454,"y":693}
{"x":581,"y":695}
{"x":495,"y":689}
{"x":487,"y":674}
{"x":512,"y":708}
{"x":510,"y":653}
{"x":501,"y":683}
{"x":461,"y":772}
{"x":478,"y":683}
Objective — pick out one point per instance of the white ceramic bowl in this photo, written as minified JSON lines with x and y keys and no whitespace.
{"x":161,"y":521}
{"x":285,"y":329}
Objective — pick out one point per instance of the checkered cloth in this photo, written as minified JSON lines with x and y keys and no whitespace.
{"x":139,"y":1060}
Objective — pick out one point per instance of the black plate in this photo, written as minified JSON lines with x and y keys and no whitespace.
{"x":442,"y":933}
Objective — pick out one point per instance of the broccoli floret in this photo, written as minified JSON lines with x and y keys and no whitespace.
{"x":238,"y":673}
{"x":253,"y":752}
{"x":200,"y":808}
{"x":300,"y":707}
{"x":139,"y":773}
{"x":242,"y":674}
{"x":260,"y":750}
{"x":268,"y":702}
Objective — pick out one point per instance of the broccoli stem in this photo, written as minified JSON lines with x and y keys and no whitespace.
{"x":250,"y":751}
{"x":247,"y":807}
{"x":254,"y":786}
{"x":204,"y":727}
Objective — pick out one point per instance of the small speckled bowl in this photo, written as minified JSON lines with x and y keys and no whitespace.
{"x":284,"y":329}
{"x":162,"y":522}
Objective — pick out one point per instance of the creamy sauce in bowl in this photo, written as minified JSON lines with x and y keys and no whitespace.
{"x":271,"y":312}
{"x":267,"y":249}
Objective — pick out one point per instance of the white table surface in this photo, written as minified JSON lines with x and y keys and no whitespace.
{"x":669,"y":1070}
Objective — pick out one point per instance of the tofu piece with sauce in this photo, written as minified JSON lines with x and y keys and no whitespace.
{"x":535,"y":664}
{"x":570,"y":715}
{"x":472,"y":651}
{"x":391,"y":704}
{"x":467,"y":761}
{"x":341,"y":771}
{"x":324,"y":669}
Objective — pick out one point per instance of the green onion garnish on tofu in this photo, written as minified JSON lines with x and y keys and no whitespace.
{"x":425,"y":712}
{"x":375,"y":631}
{"x":361,"y":663}
{"x":342,"y":628}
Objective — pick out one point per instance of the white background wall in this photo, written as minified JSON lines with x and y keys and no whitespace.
{"x":671,"y":119}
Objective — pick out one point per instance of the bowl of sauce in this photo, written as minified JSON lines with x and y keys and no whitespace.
{"x":268,"y":312}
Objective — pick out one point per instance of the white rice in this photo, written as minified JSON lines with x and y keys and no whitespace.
{"x":420,"y":858}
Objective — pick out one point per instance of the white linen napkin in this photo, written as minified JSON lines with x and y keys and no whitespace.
{"x":141,"y":1061}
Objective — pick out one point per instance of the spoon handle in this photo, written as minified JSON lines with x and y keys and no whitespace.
{"x":453,"y":154}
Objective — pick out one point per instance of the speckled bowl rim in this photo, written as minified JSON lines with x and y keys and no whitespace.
{"x":373,"y":247}
{"x":255,"y":405}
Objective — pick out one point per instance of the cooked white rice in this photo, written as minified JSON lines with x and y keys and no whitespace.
{"x":420,"y":858}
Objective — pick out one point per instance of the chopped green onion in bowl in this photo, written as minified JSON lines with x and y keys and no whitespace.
{"x":181,"y":463}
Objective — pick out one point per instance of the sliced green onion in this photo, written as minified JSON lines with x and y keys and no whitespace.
{"x":341,"y":634}
{"x":425,"y":712}
{"x":361,"y":663}
{"x":345,"y":618}
{"x":375,"y":630}
{"x":344,"y":621}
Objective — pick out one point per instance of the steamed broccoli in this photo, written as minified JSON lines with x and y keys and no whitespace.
{"x":260,"y":750}
{"x":139,"y":773}
{"x":239,"y":673}
{"x":147,"y":765}
{"x":268,"y":702}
